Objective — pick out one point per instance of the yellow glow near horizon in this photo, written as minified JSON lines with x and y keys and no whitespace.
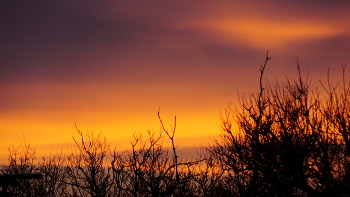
{"x":56,"y":136}
{"x":48,"y":122}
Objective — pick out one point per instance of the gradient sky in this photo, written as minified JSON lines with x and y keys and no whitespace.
{"x":109,"y":65}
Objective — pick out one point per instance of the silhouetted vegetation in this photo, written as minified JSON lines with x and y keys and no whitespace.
{"x":282,"y":141}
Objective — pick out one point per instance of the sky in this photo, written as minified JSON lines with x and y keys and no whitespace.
{"x":108,"y":66}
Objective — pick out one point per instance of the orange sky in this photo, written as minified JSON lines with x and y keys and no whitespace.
{"x":109,"y":65}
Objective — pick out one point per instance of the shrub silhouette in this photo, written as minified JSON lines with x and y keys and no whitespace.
{"x":87,"y":169}
{"x":283,"y":141}
{"x":22,"y":160}
{"x":288,"y":142}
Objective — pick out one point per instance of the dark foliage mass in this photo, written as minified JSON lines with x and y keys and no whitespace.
{"x":282,"y":141}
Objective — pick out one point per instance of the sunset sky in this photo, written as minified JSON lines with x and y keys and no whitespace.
{"x":109,"y":65}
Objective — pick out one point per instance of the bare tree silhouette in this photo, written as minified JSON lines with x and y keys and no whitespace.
{"x":288,"y":142}
{"x":282,"y":141}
